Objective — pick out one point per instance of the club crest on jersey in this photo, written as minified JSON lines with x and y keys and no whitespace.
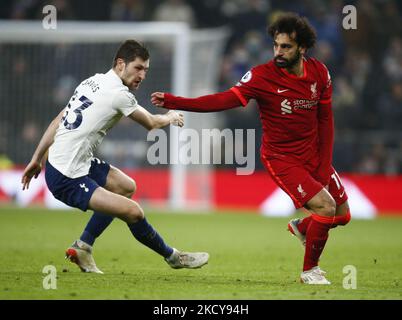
{"x":302,"y":192}
{"x":132,"y":99}
{"x":329,"y":80}
{"x":313,"y":89}
{"x":246,"y":77}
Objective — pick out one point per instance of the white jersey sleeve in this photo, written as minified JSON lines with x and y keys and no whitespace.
{"x":125,"y":102}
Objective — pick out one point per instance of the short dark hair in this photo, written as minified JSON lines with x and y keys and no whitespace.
{"x":291,"y":22}
{"x":129,"y":50}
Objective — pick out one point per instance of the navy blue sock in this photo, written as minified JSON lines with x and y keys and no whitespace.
{"x":147,"y":235}
{"x":96,"y":225}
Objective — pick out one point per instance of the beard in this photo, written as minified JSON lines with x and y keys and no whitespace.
{"x":287,"y":63}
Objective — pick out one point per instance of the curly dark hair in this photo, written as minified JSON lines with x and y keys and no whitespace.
{"x":292,"y":22}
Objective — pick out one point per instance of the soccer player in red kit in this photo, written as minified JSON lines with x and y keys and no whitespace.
{"x":293,"y":93}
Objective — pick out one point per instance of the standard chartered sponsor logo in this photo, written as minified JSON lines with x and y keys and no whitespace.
{"x":304,"y":104}
{"x":286,"y":107}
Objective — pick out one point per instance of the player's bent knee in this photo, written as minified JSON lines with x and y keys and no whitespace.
{"x":129,"y":189}
{"x":329,"y":208}
{"x":135,"y":214}
{"x":132,"y":188}
{"x":326,"y":207}
{"x":322,"y":204}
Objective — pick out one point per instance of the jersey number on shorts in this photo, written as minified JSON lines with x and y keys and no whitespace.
{"x":78,"y":112}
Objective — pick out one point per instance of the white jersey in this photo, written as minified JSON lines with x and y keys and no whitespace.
{"x":97,"y":105}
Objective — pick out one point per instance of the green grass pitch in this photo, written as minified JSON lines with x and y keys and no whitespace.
{"x":251,"y":257}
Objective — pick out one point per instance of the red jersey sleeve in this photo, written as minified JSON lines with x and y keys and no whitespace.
{"x":234,"y":97}
{"x":326,"y":94}
{"x":325,"y":130}
{"x":210,"y":103}
{"x":245,"y":88}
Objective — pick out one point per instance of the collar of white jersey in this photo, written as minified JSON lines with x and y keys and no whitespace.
{"x":113,"y":75}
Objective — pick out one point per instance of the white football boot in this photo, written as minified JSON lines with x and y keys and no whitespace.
{"x":80,"y":253}
{"x":317,"y":268}
{"x":190,"y":260}
{"x":292,"y":227}
{"x":313,"y":276}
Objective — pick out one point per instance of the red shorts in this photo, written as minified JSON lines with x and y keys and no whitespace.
{"x":298,"y":182}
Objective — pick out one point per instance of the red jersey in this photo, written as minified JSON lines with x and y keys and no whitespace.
{"x":296,"y":113}
{"x":289,"y":107}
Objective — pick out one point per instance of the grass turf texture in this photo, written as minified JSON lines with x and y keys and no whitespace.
{"x":252,"y":257}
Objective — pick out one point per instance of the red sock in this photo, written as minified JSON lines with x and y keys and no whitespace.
{"x":338,"y":221}
{"x":316,"y":237}
{"x":303,"y":225}
{"x":342,"y":220}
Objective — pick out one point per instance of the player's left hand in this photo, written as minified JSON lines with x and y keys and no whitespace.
{"x":176,"y":118}
{"x":32,"y":170}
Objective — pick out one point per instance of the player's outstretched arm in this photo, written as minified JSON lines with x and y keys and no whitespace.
{"x":209,"y":103}
{"x":154,"y":121}
{"x":34,"y":167}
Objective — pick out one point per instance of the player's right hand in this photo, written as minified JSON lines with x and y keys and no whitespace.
{"x":32,"y":170}
{"x":158,"y":99}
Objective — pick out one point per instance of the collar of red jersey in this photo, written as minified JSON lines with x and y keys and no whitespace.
{"x":304,"y":76}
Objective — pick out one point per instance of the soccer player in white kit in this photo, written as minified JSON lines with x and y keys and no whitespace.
{"x":78,"y":179}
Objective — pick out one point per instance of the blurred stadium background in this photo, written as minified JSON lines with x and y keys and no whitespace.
{"x":223,"y":39}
